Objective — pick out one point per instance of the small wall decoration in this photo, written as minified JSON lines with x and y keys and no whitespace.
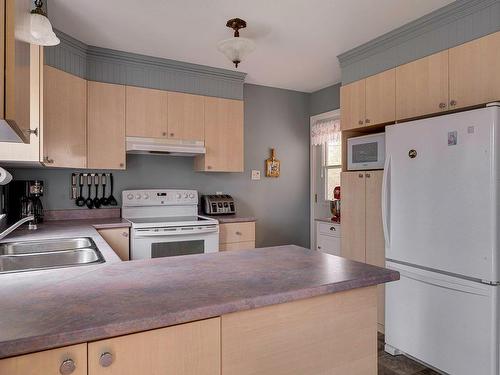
{"x":272,"y":165}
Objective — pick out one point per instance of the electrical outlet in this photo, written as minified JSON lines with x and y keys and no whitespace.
{"x":255,"y":175}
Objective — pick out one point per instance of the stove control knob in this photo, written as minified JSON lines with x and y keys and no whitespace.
{"x":178,"y":196}
{"x":186,"y":196}
{"x":130,"y":196}
{"x":145,"y":196}
{"x":191,"y":195}
{"x":138,"y":196}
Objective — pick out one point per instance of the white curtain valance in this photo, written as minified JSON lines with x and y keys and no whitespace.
{"x":324,"y":131}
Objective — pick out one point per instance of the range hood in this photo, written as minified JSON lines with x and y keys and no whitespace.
{"x":157,"y":146}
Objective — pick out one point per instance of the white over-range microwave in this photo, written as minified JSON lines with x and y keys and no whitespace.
{"x":366,"y":152}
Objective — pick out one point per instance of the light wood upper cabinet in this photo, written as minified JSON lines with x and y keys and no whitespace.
{"x":422,"y":86}
{"x":223,"y":136}
{"x":381,"y":98}
{"x":64,"y":119}
{"x":186,"y":116}
{"x":119,"y":240}
{"x":106,"y":126}
{"x":352,"y":104}
{"x":186,"y":349}
{"x":146,"y":112}
{"x":474,"y":77}
{"x":49,"y":362}
{"x":353,"y":216}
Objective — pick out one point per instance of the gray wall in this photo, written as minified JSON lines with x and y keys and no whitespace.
{"x":459,"y":22}
{"x":273,"y":118}
{"x":325,"y":100}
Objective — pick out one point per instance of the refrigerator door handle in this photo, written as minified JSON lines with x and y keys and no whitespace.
{"x":386,"y":201}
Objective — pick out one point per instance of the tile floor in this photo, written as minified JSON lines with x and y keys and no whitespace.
{"x":398,"y":365}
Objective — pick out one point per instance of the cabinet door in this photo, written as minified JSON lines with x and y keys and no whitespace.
{"x":49,"y":362}
{"x":237,"y":246}
{"x":375,"y":243}
{"x":106,"y":126}
{"x":329,"y":244}
{"x":118,"y":240}
{"x":474,"y":77}
{"x":186,"y":349}
{"x":422,"y":86}
{"x":353,"y":215}
{"x":381,"y":98}
{"x":64,"y":119}
{"x":146,"y":112}
{"x":186,"y":116}
{"x":332,"y":334}
{"x":223,"y":136}
{"x":352,"y":105}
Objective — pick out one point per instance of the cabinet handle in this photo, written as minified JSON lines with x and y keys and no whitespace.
{"x":442,"y":105}
{"x":367,"y":175}
{"x":360,"y":175}
{"x":122,"y":165}
{"x":238,"y":233}
{"x":367,"y":121}
{"x":164,"y":134}
{"x":33,"y":131}
{"x":125,"y":234}
{"x":453,"y":103}
{"x":319,"y":247}
{"x":67,"y":367}
{"x":172,"y":134}
{"x":106,"y":359}
{"x":47,"y":160}
{"x":360,"y":122}
{"x":333,"y":228}
{"x":209,"y":167}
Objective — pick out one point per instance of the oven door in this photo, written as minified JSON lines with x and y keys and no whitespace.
{"x":173,"y":241}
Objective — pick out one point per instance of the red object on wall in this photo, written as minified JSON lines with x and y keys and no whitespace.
{"x":336,"y":192}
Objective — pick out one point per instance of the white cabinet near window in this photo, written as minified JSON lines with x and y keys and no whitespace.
{"x":328,"y":236}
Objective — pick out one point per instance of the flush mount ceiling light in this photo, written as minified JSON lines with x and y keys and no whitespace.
{"x":41,"y":28}
{"x":236,"y":48}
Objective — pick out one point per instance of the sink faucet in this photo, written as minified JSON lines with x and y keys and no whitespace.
{"x":16,"y":225}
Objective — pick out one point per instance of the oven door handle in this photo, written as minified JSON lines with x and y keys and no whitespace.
{"x":176,"y":232}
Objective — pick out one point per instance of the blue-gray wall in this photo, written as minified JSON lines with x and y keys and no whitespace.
{"x":273,"y":118}
{"x":325,"y":100}
{"x":459,"y":22}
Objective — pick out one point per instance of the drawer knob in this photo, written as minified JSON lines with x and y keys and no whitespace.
{"x":319,"y":247}
{"x":106,"y":359}
{"x":333,"y":228}
{"x":238,"y":233}
{"x":360,"y":175}
{"x":367,"y":121}
{"x":67,"y":367}
{"x":360,"y":122}
{"x":164,"y":134}
{"x":442,"y":105}
{"x":453,"y":103}
{"x":172,"y":134}
{"x":125,"y":234}
{"x":368,"y":175}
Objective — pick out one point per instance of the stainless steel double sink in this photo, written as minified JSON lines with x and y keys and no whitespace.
{"x":45,"y":254}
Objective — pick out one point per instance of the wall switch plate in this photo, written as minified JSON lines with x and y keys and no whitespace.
{"x":219,"y":193}
{"x":255,"y":175}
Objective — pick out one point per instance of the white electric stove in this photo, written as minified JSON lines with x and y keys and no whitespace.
{"x":165,"y":223}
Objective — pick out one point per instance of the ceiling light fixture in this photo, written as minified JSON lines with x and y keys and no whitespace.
{"x":236,"y":48}
{"x":41,"y":28}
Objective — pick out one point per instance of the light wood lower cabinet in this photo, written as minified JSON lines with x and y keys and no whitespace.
{"x":49,"y":362}
{"x":333,"y":334}
{"x":362,"y":233}
{"x":147,"y":112}
{"x":106,"y":126}
{"x":236,"y":236}
{"x":64,"y":119}
{"x":223,"y":136}
{"x":119,"y":240}
{"x":186,"y":349}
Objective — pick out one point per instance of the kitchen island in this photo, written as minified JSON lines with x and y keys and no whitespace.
{"x":279,"y":310}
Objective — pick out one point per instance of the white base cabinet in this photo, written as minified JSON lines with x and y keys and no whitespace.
{"x":328,"y":237}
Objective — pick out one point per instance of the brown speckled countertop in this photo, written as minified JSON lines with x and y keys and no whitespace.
{"x":227,"y":219}
{"x":47,"y":309}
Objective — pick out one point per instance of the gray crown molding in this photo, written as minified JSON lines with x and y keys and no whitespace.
{"x":454,"y":24}
{"x":119,"y":67}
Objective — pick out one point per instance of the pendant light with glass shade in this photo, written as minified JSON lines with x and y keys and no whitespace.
{"x":41,"y":32}
{"x":236,"y":48}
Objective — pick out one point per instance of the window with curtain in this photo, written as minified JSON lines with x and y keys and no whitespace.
{"x":326,"y":134}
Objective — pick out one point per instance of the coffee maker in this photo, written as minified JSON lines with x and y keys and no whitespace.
{"x":22,"y":199}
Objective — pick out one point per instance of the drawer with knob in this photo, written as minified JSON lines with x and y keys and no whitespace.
{"x":70,"y":360}
{"x":237,"y":232}
{"x":329,"y":229}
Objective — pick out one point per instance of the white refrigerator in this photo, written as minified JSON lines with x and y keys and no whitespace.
{"x":440,"y":208}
